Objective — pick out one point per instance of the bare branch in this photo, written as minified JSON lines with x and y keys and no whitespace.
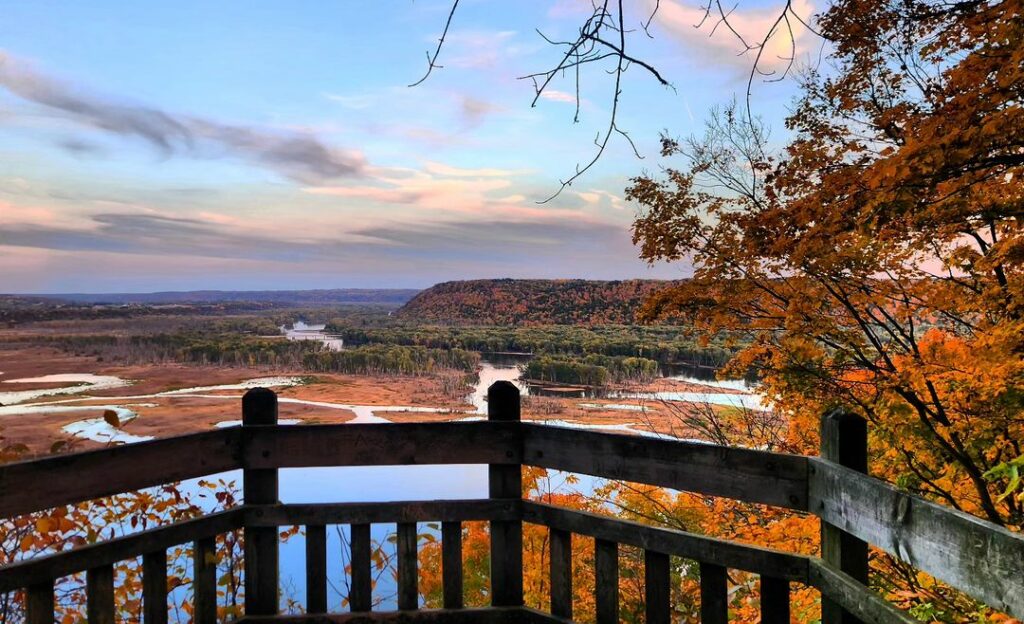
{"x":432,"y":60}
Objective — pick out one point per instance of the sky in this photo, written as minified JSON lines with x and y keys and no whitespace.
{"x":265,"y":144}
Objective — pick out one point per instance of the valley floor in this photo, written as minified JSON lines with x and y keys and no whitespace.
{"x":170,"y":399}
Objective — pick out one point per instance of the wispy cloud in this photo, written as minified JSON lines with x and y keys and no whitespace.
{"x":214,"y":237}
{"x":681,"y":20}
{"x":297,"y":155}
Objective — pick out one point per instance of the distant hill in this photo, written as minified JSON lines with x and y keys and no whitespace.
{"x":531,"y":302}
{"x":336,"y":296}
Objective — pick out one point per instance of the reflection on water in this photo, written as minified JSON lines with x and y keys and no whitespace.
{"x":302,"y":331}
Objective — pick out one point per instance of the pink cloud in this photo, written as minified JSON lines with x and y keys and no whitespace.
{"x":682,"y":20}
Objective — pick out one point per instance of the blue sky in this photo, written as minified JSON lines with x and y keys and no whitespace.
{"x":259,"y":144}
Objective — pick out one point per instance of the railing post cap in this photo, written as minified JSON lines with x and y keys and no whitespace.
{"x":259,"y":407}
{"x":503,"y":401}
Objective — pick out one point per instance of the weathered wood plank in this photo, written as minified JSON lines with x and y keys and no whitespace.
{"x":975,"y":556}
{"x":374,"y":445}
{"x":505,"y":481}
{"x":451,"y":564}
{"x":408,"y":570}
{"x":680,"y":543}
{"x":370,"y":513}
{"x":561,"y":573}
{"x":114,"y":470}
{"x":40,"y":604}
{"x":714,"y":594}
{"x":316,"y":568}
{"x":260,"y":487}
{"x":488,"y":615}
{"x":844,"y":440}
{"x":657,"y":588}
{"x":99,"y":594}
{"x":204,"y":580}
{"x":853,"y":596}
{"x":606,"y":583}
{"x":774,"y":600}
{"x":360,"y":596}
{"x":43,"y":569}
{"x":154,"y":587}
{"x":743,"y":474}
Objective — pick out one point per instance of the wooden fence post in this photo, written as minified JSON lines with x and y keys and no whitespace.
{"x":505,"y":482}
{"x":844,"y":440}
{"x":259,"y":486}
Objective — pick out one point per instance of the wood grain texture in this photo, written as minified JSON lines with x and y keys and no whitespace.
{"x":316,"y":568}
{"x":370,"y":513}
{"x":43,"y":483}
{"x":451,"y":564}
{"x":204,"y":581}
{"x":154,"y":587}
{"x":99,"y":592}
{"x":852,"y":596}
{"x":40,"y":603}
{"x":742,"y":474}
{"x":606,"y":575}
{"x":260,"y":487}
{"x":657,"y":588}
{"x":977,"y":557}
{"x":714,"y":594}
{"x":561,"y":573}
{"x":408,"y":570}
{"x":43,"y":569}
{"x":505,"y":482}
{"x":375,"y":445}
{"x":360,"y":596}
{"x":844,"y":440}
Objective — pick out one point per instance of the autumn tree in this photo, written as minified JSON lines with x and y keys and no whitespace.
{"x":875,"y":259}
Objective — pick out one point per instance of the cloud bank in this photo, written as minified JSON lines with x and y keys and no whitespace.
{"x":299,"y":156}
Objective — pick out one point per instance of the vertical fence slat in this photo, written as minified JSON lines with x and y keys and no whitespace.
{"x":360,"y":598}
{"x":154,"y":587}
{"x":316,"y":568}
{"x":39,"y":604}
{"x":99,"y":589}
{"x":408,"y":582}
{"x":451,"y":564}
{"x":657,"y":584}
{"x":606,"y":564}
{"x":204,"y":581}
{"x":714,"y":594}
{"x":844,"y":440}
{"x":259,"y":486}
{"x":503,"y":405}
{"x":561,"y":573}
{"x":774,"y":600}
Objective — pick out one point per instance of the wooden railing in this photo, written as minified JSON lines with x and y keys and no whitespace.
{"x":978,"y":558}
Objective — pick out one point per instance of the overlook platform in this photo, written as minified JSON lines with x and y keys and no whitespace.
{"x":979,"y":558}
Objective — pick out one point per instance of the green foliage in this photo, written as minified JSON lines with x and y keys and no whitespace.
{"x":665,"y":344}
{"x":231,"y":349}
{"x":592,"y":370}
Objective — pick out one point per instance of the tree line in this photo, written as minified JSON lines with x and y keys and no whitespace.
{"x":255,"y":351}
{"x":663,"y":344}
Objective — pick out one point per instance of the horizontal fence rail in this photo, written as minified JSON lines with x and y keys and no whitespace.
{"x":975,"y":556}
{"x":373,"y":445}
{"x":39,"y":484}
{"x":742,"y":474}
